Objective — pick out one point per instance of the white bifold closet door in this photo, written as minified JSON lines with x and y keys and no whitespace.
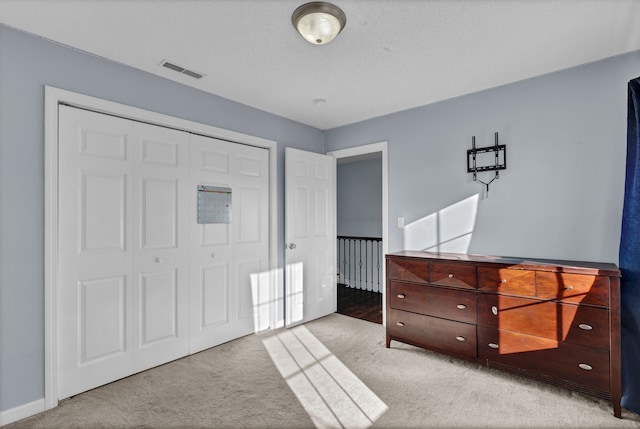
{"x":132,"y":278}
{"x":230,"y":262}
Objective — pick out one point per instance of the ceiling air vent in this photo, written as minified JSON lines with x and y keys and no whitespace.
{"x":182,"y":70}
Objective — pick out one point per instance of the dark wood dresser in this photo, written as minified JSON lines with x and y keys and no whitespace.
{"x":556,"y":321}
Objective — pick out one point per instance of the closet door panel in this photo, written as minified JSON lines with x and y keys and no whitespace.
{"x":161,"y":255}
{"x":95,"y":280}
{"x":250,"y":232}
{"x":230,"y":286}
{"x":212,"y":276}
{"x":123,"y":248}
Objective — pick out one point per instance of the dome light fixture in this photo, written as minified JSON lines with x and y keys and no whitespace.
{"x":319,"y":22}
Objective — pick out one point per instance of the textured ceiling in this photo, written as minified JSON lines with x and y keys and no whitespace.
{"x":392,"y":54}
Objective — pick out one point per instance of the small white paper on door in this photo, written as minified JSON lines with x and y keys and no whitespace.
{"x":214,"y":204}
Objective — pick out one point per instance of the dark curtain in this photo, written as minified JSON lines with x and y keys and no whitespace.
{"x":630,"y":258}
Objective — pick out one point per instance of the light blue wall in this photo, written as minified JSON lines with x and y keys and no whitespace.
{"x":561,"y":195}
{"x":359,"y":198}
{"x":27,"y":64}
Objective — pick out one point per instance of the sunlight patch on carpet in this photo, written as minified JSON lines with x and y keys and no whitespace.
{"x":332,"y":395}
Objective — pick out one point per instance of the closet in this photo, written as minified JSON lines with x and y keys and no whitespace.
{"x":142,"y":279}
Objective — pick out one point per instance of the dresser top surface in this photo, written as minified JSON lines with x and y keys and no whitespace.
{"x":580,"y":267}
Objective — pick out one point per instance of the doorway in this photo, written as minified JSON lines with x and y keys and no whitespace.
{"x":361,"y":221}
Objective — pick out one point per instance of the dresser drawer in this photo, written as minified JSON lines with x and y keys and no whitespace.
{"x":454,"y":275}
{"x":576,"y":288}
{"x":583,"y":365}
{"x":453,"y":304}
{"x":409,"y":270}
{"x":586,"y":326}
{"x":432,"y":332}
{"x":505,"y":280}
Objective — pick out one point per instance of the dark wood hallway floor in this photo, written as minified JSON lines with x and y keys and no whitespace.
{"x":360,"y":304}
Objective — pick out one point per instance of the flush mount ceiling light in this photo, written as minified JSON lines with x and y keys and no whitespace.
{"x":319,"y":22}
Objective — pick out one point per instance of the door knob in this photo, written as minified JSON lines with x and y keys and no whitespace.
{"x":292,"y":246}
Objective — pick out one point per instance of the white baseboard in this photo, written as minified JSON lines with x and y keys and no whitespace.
{"x":21,"y":412}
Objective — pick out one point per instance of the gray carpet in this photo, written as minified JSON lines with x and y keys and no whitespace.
{"x":240,"y":385}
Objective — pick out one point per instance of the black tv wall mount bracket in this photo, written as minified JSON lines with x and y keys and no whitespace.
{"x":481,"y":159}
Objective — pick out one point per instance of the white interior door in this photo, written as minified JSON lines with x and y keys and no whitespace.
{"x":229,"y":261}
{"x":310,"y":284}
{"x":123,"y":249}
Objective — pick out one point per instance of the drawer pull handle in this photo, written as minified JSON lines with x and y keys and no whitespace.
{"x":494,"y":345}
{"x":461,"y":306}
{"x":401,"y":295}
{"x":450,"y":276}
{"x":400,"y":323}
{"x":504,"y":280}
{"x":460,"y":338}
{"x":585,"y":366}
{"x":585,"y":326}
{"x":494,"y":310}
{"x":569,"y":287}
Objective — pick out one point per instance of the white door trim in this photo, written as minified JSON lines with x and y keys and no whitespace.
{"x":56,"y":96}
{"x":364,"y":150}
